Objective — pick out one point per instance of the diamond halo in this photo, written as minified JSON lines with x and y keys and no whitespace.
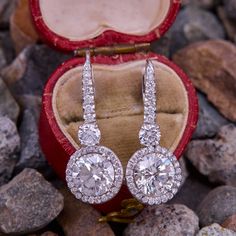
{"x":153,"y":173}
{"x":94,"y":174}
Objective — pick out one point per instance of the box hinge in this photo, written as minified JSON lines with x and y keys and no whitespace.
{"x":115,"y":49}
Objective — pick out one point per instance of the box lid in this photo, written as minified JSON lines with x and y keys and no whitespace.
{"x":71,"y":24}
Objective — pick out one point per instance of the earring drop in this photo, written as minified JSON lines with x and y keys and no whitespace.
{"x":94,"y":173}
{"x":153,"y":173}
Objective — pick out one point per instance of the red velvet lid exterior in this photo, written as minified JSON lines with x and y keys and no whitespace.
{"x":109,"y":37}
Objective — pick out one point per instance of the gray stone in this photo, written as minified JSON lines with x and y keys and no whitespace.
{"x":164,"y":220}
{"x":9,"y":148}
{"x":230,"y":8}
{"x":28,"y":203}
{"x":217,"y":206}
{"x":41,"y":62}
{"x":192,"y":25}
{"x":210,"y":120}
{"x":229,"y":24}
{"x":215,"y":230}
{"x":205,"y":4}
{"x":193,"y":185}
{"x":216,"y":158}
{"x":162,"y":45}
{"x":7,"y":47}
{"x":31,"y":69}
{"x":8,"y":105}
{"x":6,"y":9}
{"x":31,"y":155}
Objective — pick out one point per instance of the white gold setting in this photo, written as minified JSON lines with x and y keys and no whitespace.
{"x":153,"y":173}
{"x":94,"y":173}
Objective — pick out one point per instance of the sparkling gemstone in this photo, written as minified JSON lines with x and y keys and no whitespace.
{"x":89,"y":134}
{"x":149,"y":135}
{"x":93,"y":174}
{"x":154,"y":173}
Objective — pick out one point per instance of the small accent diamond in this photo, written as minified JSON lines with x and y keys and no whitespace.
{"x":89,"y":134}
{"x":149,"y":135}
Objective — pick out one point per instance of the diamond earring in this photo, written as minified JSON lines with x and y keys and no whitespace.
{"x":153,"y":173}
{"x":94,"y":174}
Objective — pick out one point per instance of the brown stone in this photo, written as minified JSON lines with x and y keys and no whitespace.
{"x":211,"y":66}
{"x":22,"y":29}
{"x":81,"y":219}
{"x":230,"y":223}
{"x":216,"y":158}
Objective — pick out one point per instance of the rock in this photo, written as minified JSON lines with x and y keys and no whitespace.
{"x":7,"y":48}
{"x":210,"y":120}
{"x":8,"y":105}
{"x":164,"y":220}
{"x":187,"y":194}
{"x":22,"y":30}
{"x":205,"y":4}
{"x":192,"y":25}
{"x":6,"y":9}
{"x":229,"y":24}
{"x":49,"y":234}
{"x":217,"y":206}
{"x":230,"y":8}
{"x":216,"y":158}
{"x":162,"y":45}
{"x":31,"y":155}
{"x":210,"y":65}
{"x":28,"y":203}
{"x":215,"y":230}
{"x":230,"y":223}
{"x":184,"y":170}
{"x":15,"y":71}
{"x":9,"y":148}
{"x":2,"y":57}
{"x":78,"y":218}
{"x":30,"y":76}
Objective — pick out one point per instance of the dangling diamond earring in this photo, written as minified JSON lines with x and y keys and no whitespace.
{"x":94,"y":174}
{"x":153,"y":174}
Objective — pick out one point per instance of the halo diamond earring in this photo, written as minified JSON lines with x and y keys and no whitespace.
{"x":153,"y":173}
{"x":94,"y":174}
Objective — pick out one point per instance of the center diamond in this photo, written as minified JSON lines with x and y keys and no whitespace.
{"x":154,"y":172}
{"x":93,"y":174}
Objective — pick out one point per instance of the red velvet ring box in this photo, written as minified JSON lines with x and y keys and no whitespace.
{"x":71,"y":25}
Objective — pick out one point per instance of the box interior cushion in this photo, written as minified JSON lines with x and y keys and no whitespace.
{"x":86,"y":19}
{"x":119,"y":105}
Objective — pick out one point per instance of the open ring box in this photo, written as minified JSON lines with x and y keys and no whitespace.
{"x":110,"y":27}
